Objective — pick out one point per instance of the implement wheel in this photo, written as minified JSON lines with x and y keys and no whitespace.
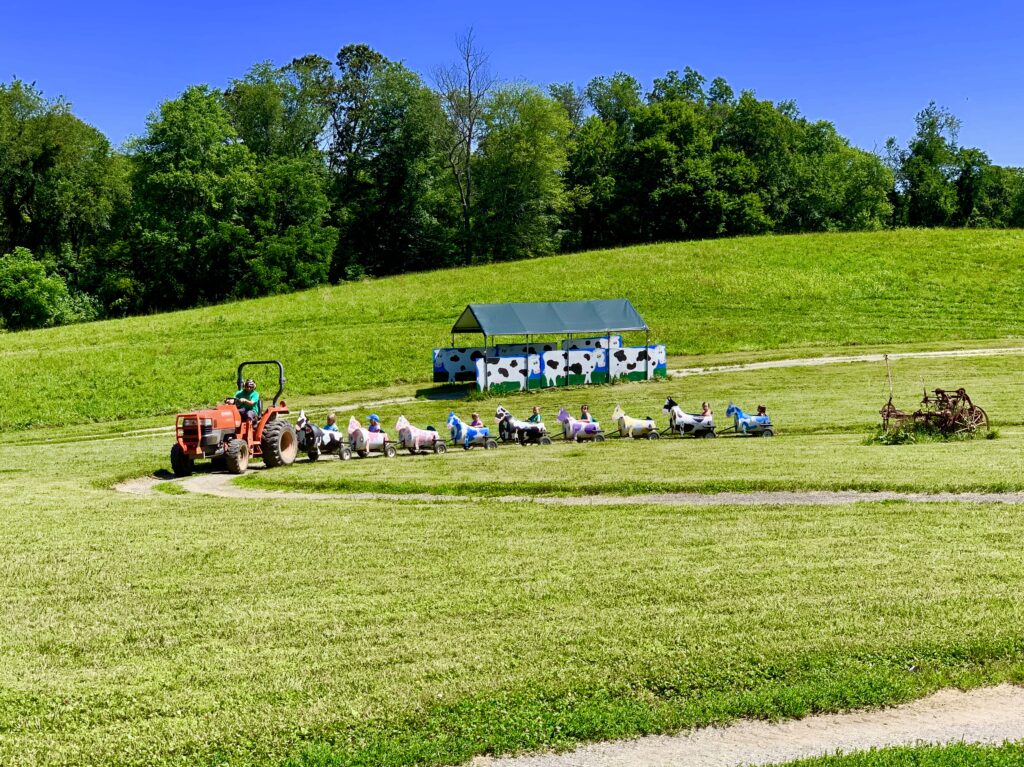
{"x":653,"y":435}
{"x":181,"y":464}
{"x":236,"y":457}
{"x":440,"y":448}
{"x":390,"y":451}
{"x":279,"y":444}
{"x":598,"y":438}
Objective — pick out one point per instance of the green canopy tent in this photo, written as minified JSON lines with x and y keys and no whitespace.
{"x":546,"y":318}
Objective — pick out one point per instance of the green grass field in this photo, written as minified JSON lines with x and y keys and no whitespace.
{"x":824,"y":413}
{"x":950,"y":756}
{"x":180,"y":629}
{"x":821,"y":292}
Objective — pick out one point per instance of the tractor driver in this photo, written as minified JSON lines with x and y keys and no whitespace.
{"x":247,"y":400}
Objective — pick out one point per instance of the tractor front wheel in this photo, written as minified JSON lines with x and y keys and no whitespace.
{"x":236,"y":456}
{"x":181,"y":464}
{"x":279,"y":444}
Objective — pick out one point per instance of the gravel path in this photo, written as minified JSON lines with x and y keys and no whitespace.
{"x":222,"y":486}
{"x":992,"y":715}
{"x":837,"y":359}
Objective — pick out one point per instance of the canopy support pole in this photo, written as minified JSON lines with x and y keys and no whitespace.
{"x":567,"y":345}
{"x":647,"y":349}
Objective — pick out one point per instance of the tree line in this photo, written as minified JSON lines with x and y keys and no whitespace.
{"x":322,"y":171}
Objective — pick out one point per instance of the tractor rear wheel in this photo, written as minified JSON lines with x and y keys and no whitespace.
{"x":181,"y":464}
{"x":279,"y":444}
{"x":236,"y":456}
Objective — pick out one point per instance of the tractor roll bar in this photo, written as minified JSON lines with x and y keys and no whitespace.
{"x":280,"y":375}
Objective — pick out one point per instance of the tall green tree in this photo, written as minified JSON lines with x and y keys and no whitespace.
{"x":520,"y":166}
{"x":924,"y":192}
{"x":393,"y":200}
{"x":61,"y":184}
{"x":464,"y":88}
{"x":193,"y":179}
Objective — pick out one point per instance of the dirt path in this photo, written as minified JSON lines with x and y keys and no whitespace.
{"x":222,"y":486}
{"x":835,"y":360}
{"x":992,"y":716}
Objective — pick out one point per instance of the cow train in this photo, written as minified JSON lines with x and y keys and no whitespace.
{"x":365,"y":441}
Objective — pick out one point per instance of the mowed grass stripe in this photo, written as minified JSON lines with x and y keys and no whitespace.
{"x":186,"y":630}
{"x":822,"y":291}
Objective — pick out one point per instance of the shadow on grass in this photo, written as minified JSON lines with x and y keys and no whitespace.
{"x":446,"y":391}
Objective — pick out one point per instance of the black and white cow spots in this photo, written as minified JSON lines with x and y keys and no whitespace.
{"x":519,"y":350}
{"x":458,"y":364}
{"x":636,"y":359}
{"x":497,"y":371}
{"x":600,"y":342}
{"x":576,"y":362}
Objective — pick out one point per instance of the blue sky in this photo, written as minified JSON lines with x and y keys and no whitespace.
{"x":868,"y":68}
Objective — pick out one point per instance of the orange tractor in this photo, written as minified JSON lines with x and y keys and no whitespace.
{"x":228,"y":437}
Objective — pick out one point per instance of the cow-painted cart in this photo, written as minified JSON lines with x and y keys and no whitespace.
{"x":687,"y":424}
{"x":579,"y":431}
{"x":315,"y":441}
{"x":363,"y":442}
{"x":419,"y":440}
{"x":511,"y":429}
{"x":634,"y":428}
{"x":470,"y":436}
{"x":747,"y":425}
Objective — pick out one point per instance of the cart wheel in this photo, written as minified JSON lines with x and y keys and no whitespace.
{"x":440,"y":448}
{"x":344,"y":453}
{"x":467,"y":446}
{"x":544,"y":441}
{"x":490,"y":444}
{"x":767,"y":433}
{"x":654,"y":435}
{"x":710,"y":435}
{"x":362,"y":453}
{"x":598,"y":438}
{"x":390,"y":451}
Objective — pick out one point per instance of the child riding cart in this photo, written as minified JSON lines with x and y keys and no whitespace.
{"x":688,"y":424}
{"x":758,"y":425}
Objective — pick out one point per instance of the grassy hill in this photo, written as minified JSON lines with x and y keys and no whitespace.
{"x":703,"y":297}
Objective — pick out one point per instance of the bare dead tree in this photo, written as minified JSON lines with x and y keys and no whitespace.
{"x":463,"y":87}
